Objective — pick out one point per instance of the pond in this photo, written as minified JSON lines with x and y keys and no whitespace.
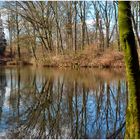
{"x":51,"y":103}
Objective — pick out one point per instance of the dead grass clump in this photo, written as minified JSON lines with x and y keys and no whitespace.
{"x":111,"y":58}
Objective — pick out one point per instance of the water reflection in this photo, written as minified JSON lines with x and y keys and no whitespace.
{"x":2,"y":92}
{"x":48,"y":103}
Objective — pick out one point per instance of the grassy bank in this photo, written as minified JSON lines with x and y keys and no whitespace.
{"x":89,"y":57}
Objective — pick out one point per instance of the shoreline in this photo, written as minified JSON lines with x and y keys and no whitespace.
{"x":90,"y":57}
{"x":74,"y":66}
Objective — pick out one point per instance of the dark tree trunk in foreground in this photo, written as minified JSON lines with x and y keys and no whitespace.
{"x":132,"y":70}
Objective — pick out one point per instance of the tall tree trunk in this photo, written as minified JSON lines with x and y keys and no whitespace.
{"x":57,"y":32}
{"x":83,"y":24}
{"x":107,"y":25}
{"x":17,"y":32}
{"x":117,"y":32}
{"x":132,"y":70}
{"x":136,"y":30}
{"x":58,"y":28}
{"x":75,"y":25}
{"x":10,"y":35}
{"x":69,"y":26}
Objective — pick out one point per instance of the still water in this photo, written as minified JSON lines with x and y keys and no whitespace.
{"x":52,"y":103}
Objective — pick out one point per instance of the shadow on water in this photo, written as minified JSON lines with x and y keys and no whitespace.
{"x":51,"y":103}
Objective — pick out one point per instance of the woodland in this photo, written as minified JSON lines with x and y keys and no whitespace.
{"x":75,"y":34}
{"x":64,"y":33}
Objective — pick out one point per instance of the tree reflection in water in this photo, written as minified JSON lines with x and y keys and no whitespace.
{"x":63,"y":104}
{"x":2,"y":94}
